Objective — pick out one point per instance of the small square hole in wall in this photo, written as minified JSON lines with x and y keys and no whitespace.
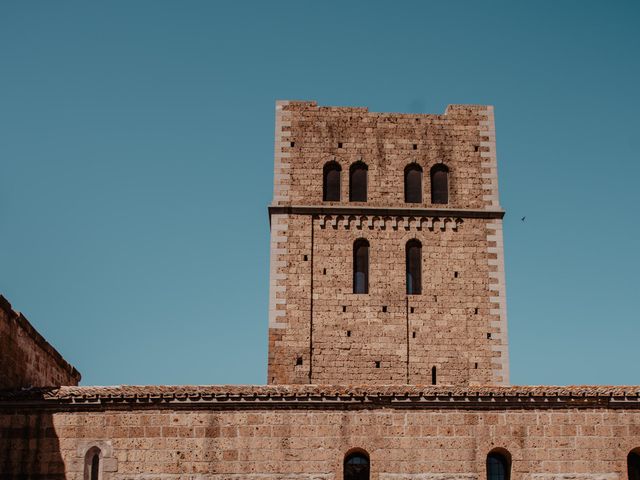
{"x":455,"y":274}
{"x":306,"y":257}
{"x":384,"y":308}
{"x":344,"y":308}
{"x":412,"y":309}
{"x":293,"y":144}
{"x":348,"y":333}
{"x":476,"y":148}
{"x":339,"y":144}
{"x":413,"y":334}
{"x":488,"y":335}
{"x":299,"y":361}
{"x":377,"y":363}
{"x":415,"y":146}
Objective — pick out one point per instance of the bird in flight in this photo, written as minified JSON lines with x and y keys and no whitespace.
{"x":523,"y":218}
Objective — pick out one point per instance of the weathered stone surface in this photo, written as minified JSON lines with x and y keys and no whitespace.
{"x":26,"y":358}
{"x":321,"y":332}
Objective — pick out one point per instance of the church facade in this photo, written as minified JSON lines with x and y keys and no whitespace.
{"x":388,"y":352}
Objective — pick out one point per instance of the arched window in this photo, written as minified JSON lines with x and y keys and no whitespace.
{"x":358,"y":182}
{"x":92,"y":464}
{"x":356,"y":466}
{"x":414,"y":267}
{"x":413,"y":183}
{"x":633,"y":464}
{"x":361,"y":266}
{"x":440,"y":183}
{"x":498,"y":465}
{"x":331,"y":182}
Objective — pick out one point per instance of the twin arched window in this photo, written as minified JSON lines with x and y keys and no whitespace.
{"x":356,"y":466}
{"x":358,"y":183}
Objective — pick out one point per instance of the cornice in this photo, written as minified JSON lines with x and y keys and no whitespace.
{"x":384,"y":211}
{"x":326,"y":397}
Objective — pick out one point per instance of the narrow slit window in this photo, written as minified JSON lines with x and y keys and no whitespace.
{"x":361,"y":266}
{"x":440,"y":184}
{"x":434,"y":376}
{"x":331,"y":182}
{"x":356,"y":466}
{"x":92,"y":464}
{"x":414,"y":267}
{"x":413,"y":183}
{"x":498,"y":466}
{"x":358,"y":182}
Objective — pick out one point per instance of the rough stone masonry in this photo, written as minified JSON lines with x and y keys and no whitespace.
{"x":388,"y":353}
{"x":322,"y":332}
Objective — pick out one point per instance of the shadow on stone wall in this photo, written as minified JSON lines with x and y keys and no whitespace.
{"x":29,"y":445}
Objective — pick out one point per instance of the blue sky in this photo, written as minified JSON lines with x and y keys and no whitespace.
{"x":124,"y":127}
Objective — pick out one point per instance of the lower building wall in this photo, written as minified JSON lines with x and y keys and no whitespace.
{"x":403,"y":444}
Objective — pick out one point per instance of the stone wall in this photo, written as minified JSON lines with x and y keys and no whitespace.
{"x":298,"y":438}
{"x":26,"y":358}
{"x":319,"y":331}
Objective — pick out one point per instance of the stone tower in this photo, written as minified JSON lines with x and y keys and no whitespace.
{"x":386,"y":248}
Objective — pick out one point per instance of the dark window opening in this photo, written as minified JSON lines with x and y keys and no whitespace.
{"x":488,"y":335}
{"x":339,"y":144}
{"x":358,"y":182}
{"x":361,"y":266}
{"x":324,"y":271}
{"x":356,"y":467}
{"x":633,"y":465}
{"x":435,"y":298}
{"x":306,"y":258}
{"x":414,"y":267}
{"x":415,"y":146}
{"x":455,"y":274}
{"x":348,"y":333}
{"x":440,"y":184}
{"x":433,"y":376}
{"x":299,"y":361}
{"x":413,"y":183}
{"x":293,"y":144}
{"x":498,"y":467}
{"x":331,"y":182}
{"x":412,"y":309}
{"x":95,"y":466}
{"x":344,"y":308}
{"x":476,"y":365}
{"x":475,"y":312}
{"x":414,"y":335}
{"x":384,"y":308}
{"x":476,"y":148}
{"x":377,"y":363}
{"x":92,"y":464}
